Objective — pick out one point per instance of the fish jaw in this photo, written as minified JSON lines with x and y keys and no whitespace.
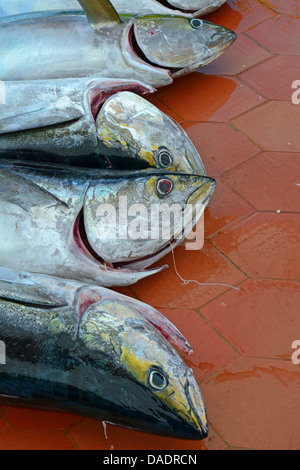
{"x":183,"y":45}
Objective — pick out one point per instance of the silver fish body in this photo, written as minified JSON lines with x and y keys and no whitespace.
{"x":87,"y":121}
{"x":187,"y":8}
{"x":70,"y":222}
{"x":83,"y":349}
{"x":150,"y":49}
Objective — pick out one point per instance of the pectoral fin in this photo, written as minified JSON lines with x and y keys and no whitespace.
{"x":22,"y":192}
{"x":99,"y":12}
{"x":21,"y":288}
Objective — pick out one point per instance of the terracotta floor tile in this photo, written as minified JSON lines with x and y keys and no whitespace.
{"x":273,"y":126}
{"x":164,"y":108}
{"x":89,"y":435}
{"x":27,"y":438}
{"x":264,"y":245}
{"x":280,"y":35}
{"x":210,"y":349}
{"x":262,"y":319}
{"x":269,"y":181}
{"x":242,"y":55}
{"x":220,"y":146}
{"x":253,"y":403}
{"x":226,"y":207}
{"x":3,"y":425}
{"x":139,"y":441}
{"x":239,"y":15}
{"x":205,"y":266}
{"x":283,"y":68}
{"x":43,"y":419}
{"x":209,"y":98}
{"x":289,"y":7}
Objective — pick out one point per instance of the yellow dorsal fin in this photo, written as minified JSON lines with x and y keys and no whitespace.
{"x":99,"y":12}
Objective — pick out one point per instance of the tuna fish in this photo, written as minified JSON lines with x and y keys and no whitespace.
{"x":187,"y":8}
{"x":86,"y":224}
{"x":84,"y":349}
{"x":86,"y":122}
{"x":151,"y":49}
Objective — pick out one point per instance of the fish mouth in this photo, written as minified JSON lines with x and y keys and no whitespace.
{"x":220,"y":42}
{"x":197,"y":409}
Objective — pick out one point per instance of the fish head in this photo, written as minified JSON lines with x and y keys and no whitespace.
{"x":128,"y":122}
{"x":141,"y":217}
{"x":180,"y":44}
{"x":196,"y":7}
{"x":156,"y":391}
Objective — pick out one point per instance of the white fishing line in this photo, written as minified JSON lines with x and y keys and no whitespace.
{"x":186,"y":281}
{"x":105,"y":429}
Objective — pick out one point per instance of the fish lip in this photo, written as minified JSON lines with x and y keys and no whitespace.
{"x":203,"y":428}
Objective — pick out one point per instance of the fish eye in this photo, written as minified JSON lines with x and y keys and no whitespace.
{"x":195,"y":23}
{"x":165,"y":159}
{"x":157,"y":380}
{"x":164,"y":186}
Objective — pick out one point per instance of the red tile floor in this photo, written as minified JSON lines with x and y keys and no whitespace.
{"x":239,"y":113}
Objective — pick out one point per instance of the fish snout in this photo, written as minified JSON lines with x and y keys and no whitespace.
{"x":222,"y":38}
{"x":204,"y":191}
{"x":197,"y":409}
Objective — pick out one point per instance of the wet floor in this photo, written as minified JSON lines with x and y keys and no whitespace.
{"x":240,"y":115}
